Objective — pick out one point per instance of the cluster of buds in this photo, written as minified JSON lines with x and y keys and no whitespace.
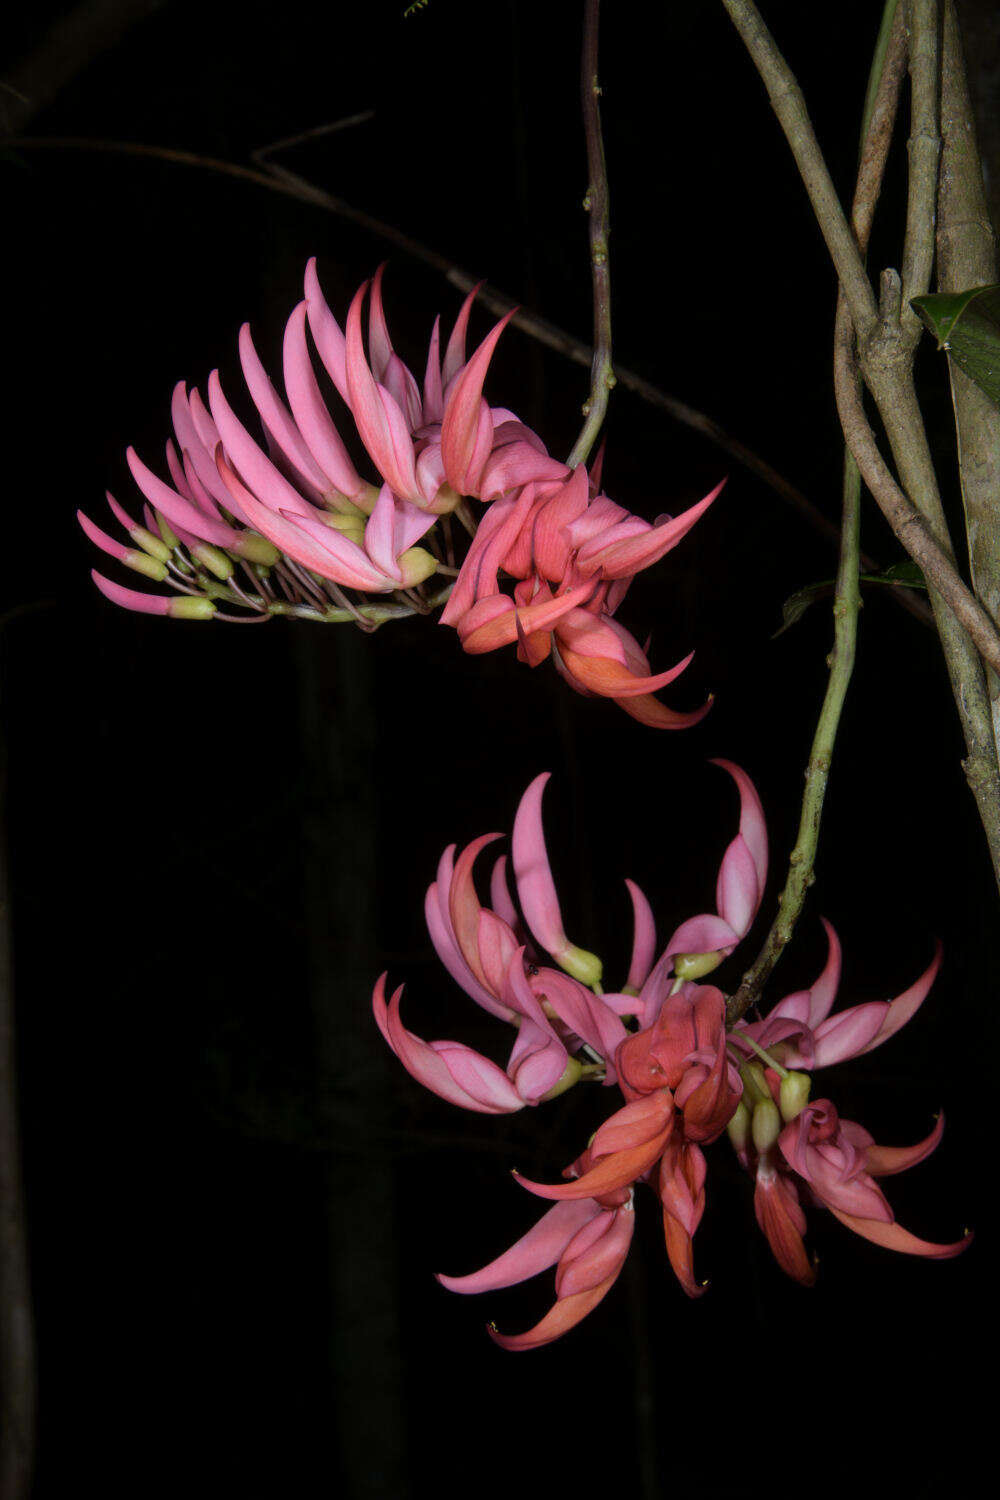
{"x":686,"y":1074}
{"x":289,"y":526}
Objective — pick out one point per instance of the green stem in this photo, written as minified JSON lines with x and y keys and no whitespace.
{"x":602,"y":376}
{"x":803,"y":856}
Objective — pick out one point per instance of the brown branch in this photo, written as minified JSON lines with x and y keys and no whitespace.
{"x":790,"y":107}
{"x":888,"y":68}
{"x":924,"y":151}
{"x":602,"y":376}
{"x":966,"y":250}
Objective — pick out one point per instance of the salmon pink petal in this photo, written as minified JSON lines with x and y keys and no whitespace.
{"x":463,"y":905}
{"x":462,"y":426}
{"x":894,"y":1237}
{"x":533,"y":874}
{"x":566,"y":1313}
{"x":513,"y":465}
{"x":609,"y":678}
{"x":454,"y":354}
{"x":484,"y":1088}
{"x":276,"y":417}
{"x":447,"y":950}
{"x":596,"y":1252}
{"x":624,"y":558}
{"x":824,"y":991}
{"x":381,"y":424}
{"x":643,"y":938}
{"x":634,"y":1124}
{"x":783,"y":1222}
{"x":500,"y":896}
{"x":611,"y":1172}
{"x":650,"y":711}
{"x":908,"y":1003}
{"x":885,"y":1161}
{"x":433,"y":390}
{"x":849,"y":1033}
{"x":533,"y":1253}
{"x":503,"y":628}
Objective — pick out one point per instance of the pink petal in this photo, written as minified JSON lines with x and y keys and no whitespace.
{"x":532,"y":873}
{"x":643,"y":938}
{"x":849,"y":1033}
{"x":326,"y":332}
{"x":886,"y":1161}
{"x":310,"y":411}
{"x":894,"y":1237}
{"x":533,"y":1253}
{"x":908,"y":1003}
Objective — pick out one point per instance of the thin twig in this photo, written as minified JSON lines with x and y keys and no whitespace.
{"x":888,"y":67}
{"x":315,"y":132}
{"x":602,"y":376}
{"x":790,"y":107}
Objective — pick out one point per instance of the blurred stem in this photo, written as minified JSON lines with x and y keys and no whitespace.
{"x":18,"y":1396}
{"x":881,"y":102}
{"x":602,"y":376}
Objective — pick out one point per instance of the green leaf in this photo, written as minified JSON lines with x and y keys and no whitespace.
{"x":905,"y":574}
{"x":967,"y":325}
{"x":795,"y":607}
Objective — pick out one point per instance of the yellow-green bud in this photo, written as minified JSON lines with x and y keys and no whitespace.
{"x":586,"y":967}
{"x":695,"y":965}
{"x":571,"y":1075}
{"x":168,"y":536}
{"x":416,"y":564}
{"x":738,"y":1129}
{"x":754,"y":1082}
{"x":445,"y":500}
{"x":150,"y":543}
{"x":794,"y":1094}
{"x":765,"y":1127}
{"x":215,"y":561}
{"x":351,"y":525}
{"x":140,"y":562}
{"x":255,"y":548}
{"x":191,"y":607}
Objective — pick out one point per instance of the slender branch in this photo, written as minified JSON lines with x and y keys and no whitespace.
{"x":924,"y":150}
{"x":602,"y":376}
{"x":966,"y":251}
{"x":911,"y":528}
{"x":789,"y":106}
{"x":276,"y":179}
{"x":888,"y":67}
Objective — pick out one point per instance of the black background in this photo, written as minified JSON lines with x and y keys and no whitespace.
{"x":220,"y":836}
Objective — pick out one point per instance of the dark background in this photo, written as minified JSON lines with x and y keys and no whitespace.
{"x":219,"y":837}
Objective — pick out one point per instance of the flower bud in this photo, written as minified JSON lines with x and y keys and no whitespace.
{"x":755,"y":1082}
{"x":765,"y":1127}
{"x":695,"y":965}
{"x":586,"y":967}
{"x":141,"y":562}
{"x":573,"y":1073}
{"x":255,"y":548}
{"x":215,"y":561}
{"x":794,"y":1095}
{"x":416,"y":564}
{"x":170,"y":540}
{"x":191,"y":607}
{"x":738,"y":1129}
{"x":150,"y":543}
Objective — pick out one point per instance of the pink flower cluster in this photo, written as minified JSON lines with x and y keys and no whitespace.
{"x":287,"y":523}
{"x":687,"y":1076}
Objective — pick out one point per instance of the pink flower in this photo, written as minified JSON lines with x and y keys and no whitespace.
{"x":295,"y":500}
{"x":800,"y":1032}
{"x":573,"y":554}
{"x":799,"y":1149}
{"x":586,"y":1242}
